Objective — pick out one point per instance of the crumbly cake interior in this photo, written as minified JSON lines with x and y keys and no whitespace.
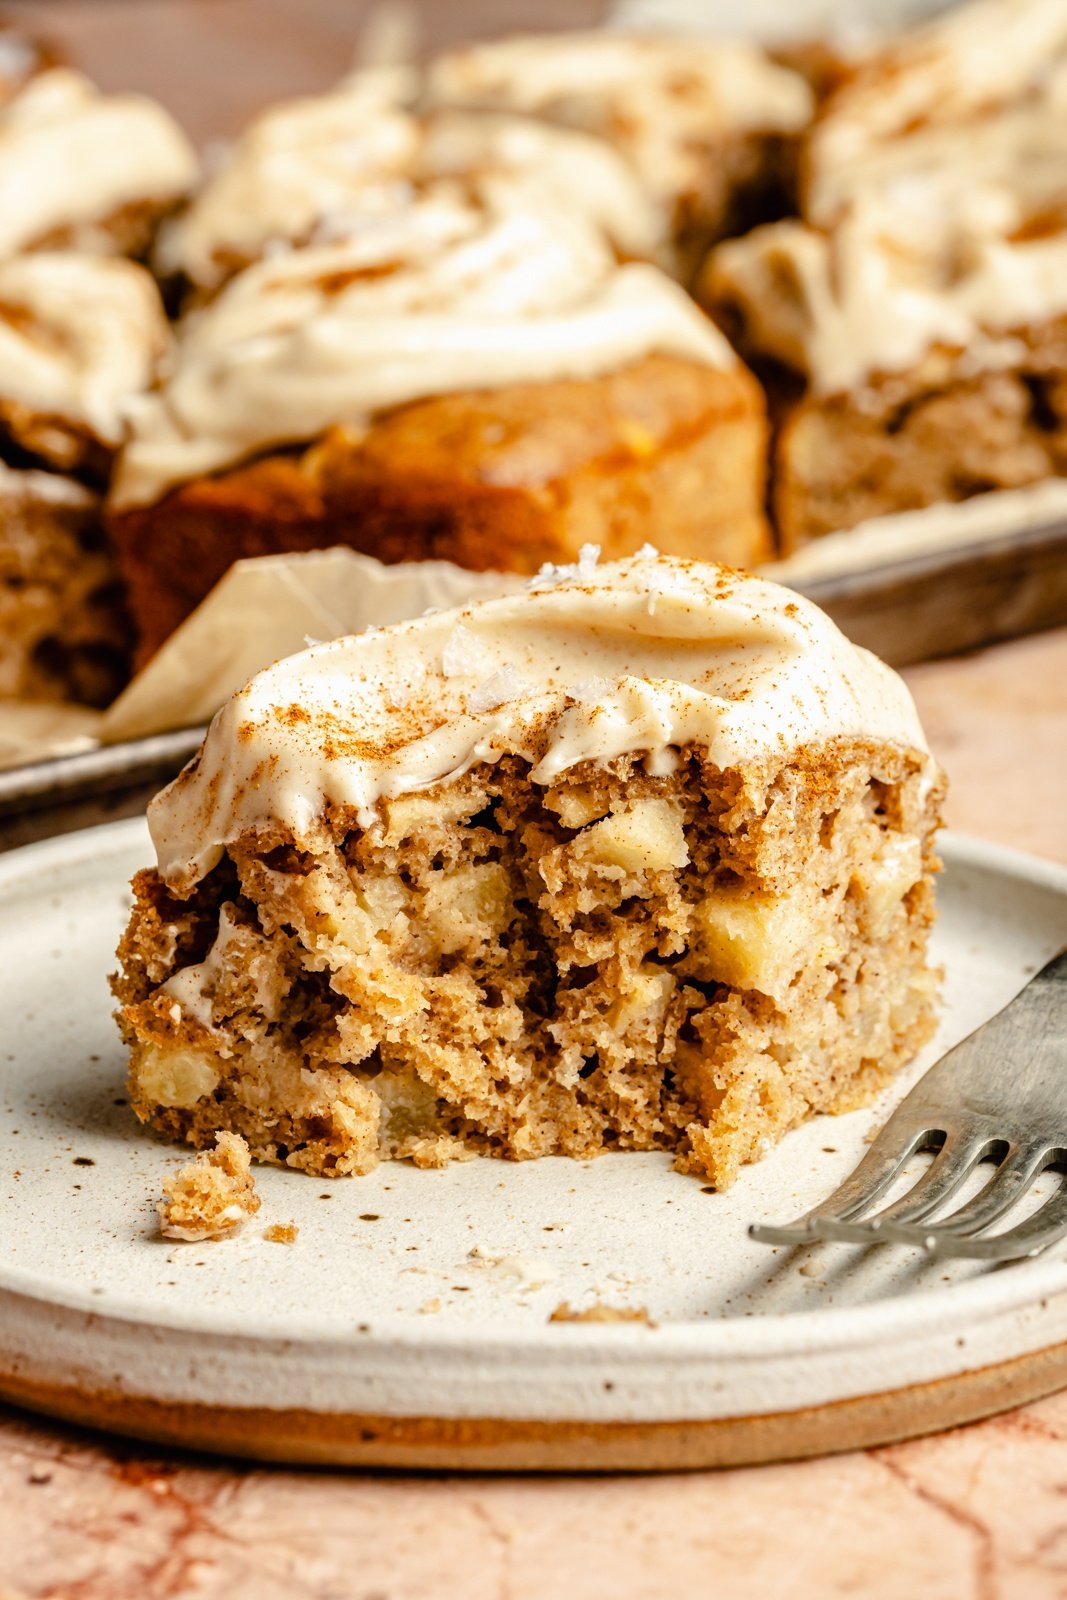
{"x":212,"y":1195}
{"x":619,"y":961}
{"x":64,"y":633}
{"x":940,"y":432}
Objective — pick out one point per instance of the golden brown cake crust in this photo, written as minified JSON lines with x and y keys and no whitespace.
{"x":665,"y":451}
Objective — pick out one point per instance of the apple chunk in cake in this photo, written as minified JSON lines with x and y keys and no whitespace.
{"x":571,"y":938}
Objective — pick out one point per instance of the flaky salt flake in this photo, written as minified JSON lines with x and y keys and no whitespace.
{"x":591,"y":691}
{"x":496,"y":691}
{"x":552,"y":574}
{"x":458,"y":654}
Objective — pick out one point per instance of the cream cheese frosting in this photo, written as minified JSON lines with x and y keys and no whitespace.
{"x":465,"y":288}
{"x":78,"y":336}
{"x":317,"y":170}
{"x":640,"y":657}
{"x":311,"y":171}
{"x":896,"y":277}
{"x":293,"y":167}
{"x":982,"y":89}
{"x":71,"y":156}
{"x":660,"y":100}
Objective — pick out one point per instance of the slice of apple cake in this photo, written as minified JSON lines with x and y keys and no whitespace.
{"x":641,"y":858}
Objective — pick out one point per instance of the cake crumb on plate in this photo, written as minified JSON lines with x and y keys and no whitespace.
{"x":281,"y":1233}
{"x":598,"y":1312}
{"x":212,"y":1195}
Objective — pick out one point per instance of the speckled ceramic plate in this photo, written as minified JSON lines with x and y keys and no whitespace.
{"x":409,"y":1323}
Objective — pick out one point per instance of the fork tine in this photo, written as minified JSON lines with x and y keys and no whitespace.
{"x":953,"y":1164}
{"x":1028,"y":1238}
{"x":1010,"y":1182}
{"x":894,"y":1145}
{"x":955,"y":1160}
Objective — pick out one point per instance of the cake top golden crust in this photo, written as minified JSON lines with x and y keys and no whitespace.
{"x":71,"y":156}
{"x":464,"y":287}
{"x":646,"y":657}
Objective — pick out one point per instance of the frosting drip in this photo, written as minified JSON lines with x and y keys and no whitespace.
{"x":638,"y":657}
{"x":78,"y":336}
{"x":71,"y":156}
{"x":463,"y":288}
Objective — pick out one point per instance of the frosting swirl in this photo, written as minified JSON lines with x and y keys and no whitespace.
{"x":71,"y":156}
{"x":465,"y":287}
{"x":897,"y":276}
{"x":979,"y":94}
{"x":293,"y":167}
{"x":662,"y":101}
{"x":311,"y":170}
{"x":640,"y":656}
{"x":78,"y":336}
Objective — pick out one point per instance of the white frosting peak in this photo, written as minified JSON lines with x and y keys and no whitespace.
{"x":466,"y":287}
{"x":642,"y":656}
{"x":311,"y":171}
{"x":71,"y":156}
{"x":294,"y":166}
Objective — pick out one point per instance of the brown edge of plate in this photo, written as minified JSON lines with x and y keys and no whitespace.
{"x":484,"y":1444}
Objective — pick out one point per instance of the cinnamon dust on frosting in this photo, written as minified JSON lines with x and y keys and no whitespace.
{"x":935,"y":206}
{"x":639,"y":657}
{"x":979,"y":92}
{"x":657,"y":99}
{"x":898,"y":275}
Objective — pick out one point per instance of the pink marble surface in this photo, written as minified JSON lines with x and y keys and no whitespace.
{"x":980,"y":1512}
{"x":976,"y":1514}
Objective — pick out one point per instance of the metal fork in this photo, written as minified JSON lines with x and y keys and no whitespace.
{"x":1000,"y":1096}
